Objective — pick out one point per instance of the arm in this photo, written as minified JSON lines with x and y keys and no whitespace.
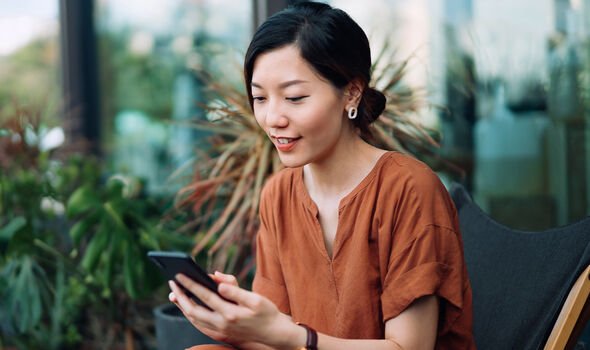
{"x":414,"y":328}
{"x":256,"y":323}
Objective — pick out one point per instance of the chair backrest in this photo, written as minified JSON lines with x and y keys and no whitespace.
{"x":519,"y":279}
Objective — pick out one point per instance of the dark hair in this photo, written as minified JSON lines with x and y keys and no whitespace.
{"x":331,"y":42}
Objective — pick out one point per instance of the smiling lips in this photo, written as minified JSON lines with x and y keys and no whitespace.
{"x":285,"y":144}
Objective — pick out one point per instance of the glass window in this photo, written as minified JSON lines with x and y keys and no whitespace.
{"x":512,"y":78}
{"x":151,"y":53}
{"x":29,"y":57}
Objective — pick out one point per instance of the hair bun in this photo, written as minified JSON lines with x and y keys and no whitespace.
{"x":374,"y":101}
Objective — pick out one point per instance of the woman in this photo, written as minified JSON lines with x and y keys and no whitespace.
{"x":358,"y":248}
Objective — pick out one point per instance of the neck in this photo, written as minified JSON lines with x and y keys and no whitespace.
{"x":343,"y":170}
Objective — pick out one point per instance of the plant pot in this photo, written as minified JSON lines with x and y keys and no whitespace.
{"x":175,"y":332}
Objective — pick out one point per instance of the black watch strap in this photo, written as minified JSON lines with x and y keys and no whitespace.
{"x":312,"y":337}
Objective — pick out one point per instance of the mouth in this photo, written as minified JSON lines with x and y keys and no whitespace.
{"x":285,"y":143}
{"x":286,"y":140}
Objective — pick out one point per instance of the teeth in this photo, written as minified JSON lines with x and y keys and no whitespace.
{"x":283,"y":141}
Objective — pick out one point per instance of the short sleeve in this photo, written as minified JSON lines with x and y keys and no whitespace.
{"x":268,"y":280}
{"x":426,"y":255}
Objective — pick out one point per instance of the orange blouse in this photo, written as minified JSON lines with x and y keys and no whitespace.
{"x":397,"y":240}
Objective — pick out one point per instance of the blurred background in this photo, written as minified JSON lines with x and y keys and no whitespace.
{"x":507,"y":85}
{"x":511,"y":78}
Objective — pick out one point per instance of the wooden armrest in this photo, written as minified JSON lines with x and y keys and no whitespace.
{"x":570,"y":313}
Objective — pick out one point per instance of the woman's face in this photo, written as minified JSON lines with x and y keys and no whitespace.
{"x":302,"y":113}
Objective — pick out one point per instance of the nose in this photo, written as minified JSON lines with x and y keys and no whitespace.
{"x":275,"y":115}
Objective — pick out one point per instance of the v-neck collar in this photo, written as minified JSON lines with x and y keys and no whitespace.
{"x":311,"y":205}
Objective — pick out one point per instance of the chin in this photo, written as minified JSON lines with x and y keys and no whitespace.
{"x":292,"y":160}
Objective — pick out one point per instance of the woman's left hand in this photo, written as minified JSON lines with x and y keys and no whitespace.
{"x":253,"y":318}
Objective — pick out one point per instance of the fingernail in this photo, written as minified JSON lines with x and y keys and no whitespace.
{"x":171,"y":296}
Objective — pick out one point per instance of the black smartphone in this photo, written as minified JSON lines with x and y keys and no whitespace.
{"x":172,"y":263}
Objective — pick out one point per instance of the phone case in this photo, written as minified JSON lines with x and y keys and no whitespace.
{"x":172,"y":263}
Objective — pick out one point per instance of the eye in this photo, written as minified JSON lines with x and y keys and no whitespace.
{"x":296,"y":99}
{"x":258,"y":99}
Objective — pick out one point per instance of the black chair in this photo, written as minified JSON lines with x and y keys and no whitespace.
{"x":521,"y":280}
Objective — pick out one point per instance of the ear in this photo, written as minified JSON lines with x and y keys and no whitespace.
{"x":353,"y":93}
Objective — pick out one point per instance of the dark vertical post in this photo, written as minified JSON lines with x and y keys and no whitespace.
{"x":80,"y":74}
{"x":265,"y":8}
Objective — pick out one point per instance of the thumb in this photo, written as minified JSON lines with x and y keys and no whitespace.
{"x":245,"y":298}
{"x":225,"y":278}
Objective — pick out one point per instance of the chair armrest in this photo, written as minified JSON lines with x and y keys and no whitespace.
{"x":570,"y":312}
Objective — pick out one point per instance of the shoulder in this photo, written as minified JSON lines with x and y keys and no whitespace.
{"x":413,"y":189}
{"x":408,"y":173}
{"x":279,"y":183}
{"x":278,"y":195}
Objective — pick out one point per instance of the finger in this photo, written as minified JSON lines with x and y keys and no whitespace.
{"x":241,"y":296}
{"x":191,"y":310}
{"x":181,"y":299}
{"x":172,"y":297}
{"x":173,"y":300}
{"x":225,"y":309}
{"x":207,"y":296}
{"x":225,"y":278}
{"x":184,"y":302}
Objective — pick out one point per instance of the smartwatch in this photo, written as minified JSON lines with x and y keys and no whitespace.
{"x":312,"y":338}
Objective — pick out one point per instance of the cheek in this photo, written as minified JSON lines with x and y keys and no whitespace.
{"x":259,"y":115}
{"x":324,"y":119}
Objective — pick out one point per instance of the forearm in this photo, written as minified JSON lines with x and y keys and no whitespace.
{"x":255,"y":346}
{"x":328,"y":343}
{"x":295,"y":337}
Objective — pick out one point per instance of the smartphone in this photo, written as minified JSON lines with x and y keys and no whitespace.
{"x":172,"y":263}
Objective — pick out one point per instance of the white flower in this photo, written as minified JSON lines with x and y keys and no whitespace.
{"x":50,"y":205}
{"x":52,"y":139}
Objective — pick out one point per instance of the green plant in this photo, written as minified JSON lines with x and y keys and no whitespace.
{"x":36,"y":309}
{"x":225,"y":190}
{"x":115,"y":225}
{"x":72,"y":245}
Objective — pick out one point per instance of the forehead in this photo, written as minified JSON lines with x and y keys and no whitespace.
{"x":280,"y":65}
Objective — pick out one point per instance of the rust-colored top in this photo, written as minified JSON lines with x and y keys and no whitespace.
{"x":397,"y":240}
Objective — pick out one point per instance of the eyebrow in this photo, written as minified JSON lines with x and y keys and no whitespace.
{"x":283,"y":85}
